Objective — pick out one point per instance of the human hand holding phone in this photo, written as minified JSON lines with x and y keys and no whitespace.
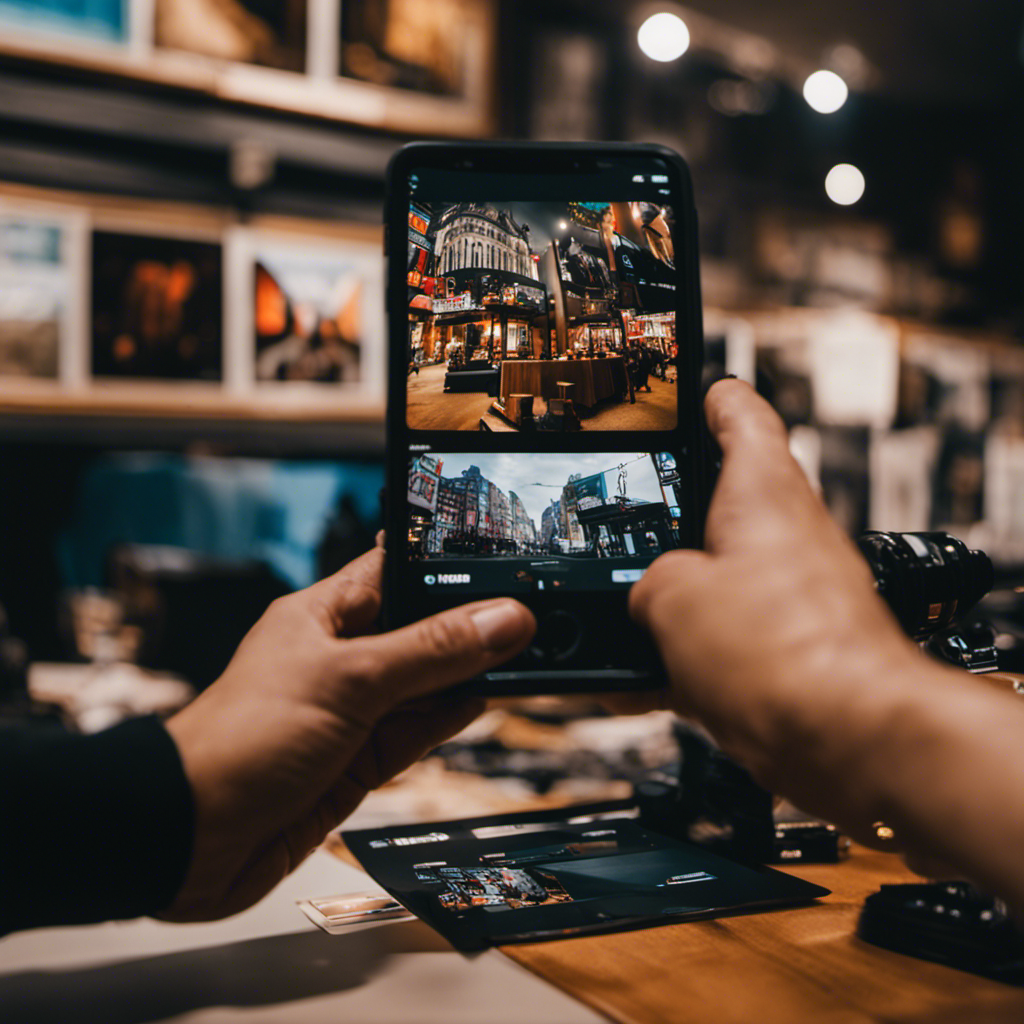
{"x":312,"y":713}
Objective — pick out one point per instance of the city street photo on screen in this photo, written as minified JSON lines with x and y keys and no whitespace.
{"x":541,"y":521}
{"x":541,"y":316}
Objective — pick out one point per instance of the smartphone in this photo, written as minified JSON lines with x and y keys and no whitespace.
{"x":544,"y":418}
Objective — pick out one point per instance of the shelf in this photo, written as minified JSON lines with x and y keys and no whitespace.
{"x":327,"y":99}
{"x":143,"y":416}
{"x":189,"y":401}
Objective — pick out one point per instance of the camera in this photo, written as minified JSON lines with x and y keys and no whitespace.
{"x":930,"y":582}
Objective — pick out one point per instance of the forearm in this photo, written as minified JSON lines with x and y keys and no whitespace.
{"x":950,"y":780}
{"x":91,"y":827}
{"x":932,"y":752}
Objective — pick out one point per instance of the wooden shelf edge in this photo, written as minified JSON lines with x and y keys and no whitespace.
{"x":270,"y":408}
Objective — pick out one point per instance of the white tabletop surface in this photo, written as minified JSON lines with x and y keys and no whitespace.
{"x":269,"y":964}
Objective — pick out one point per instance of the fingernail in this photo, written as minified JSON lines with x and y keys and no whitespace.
{"x":500,"y":625}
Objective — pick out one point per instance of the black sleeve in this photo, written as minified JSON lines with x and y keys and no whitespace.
{"x":91,"y":827}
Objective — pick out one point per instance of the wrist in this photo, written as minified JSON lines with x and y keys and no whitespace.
{"x":827,"y":725}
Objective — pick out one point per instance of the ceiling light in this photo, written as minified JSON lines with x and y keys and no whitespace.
{"x":825,"y":92}
{"x":664,"y":37}
{"x":844,"y":184}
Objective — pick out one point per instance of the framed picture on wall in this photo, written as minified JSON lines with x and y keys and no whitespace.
{"x":157,"y":307}
{"x":70,"y":21}
{"x":307,"y":315}
{"x":267,"y":33}
{"x":42,"y":298}
{"x":431,"y":63}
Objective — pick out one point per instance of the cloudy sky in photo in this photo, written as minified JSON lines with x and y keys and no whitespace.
{"x":538,"y":478}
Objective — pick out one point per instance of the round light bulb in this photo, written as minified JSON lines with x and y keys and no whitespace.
{"x":664,"y":37}
{"x":825,"y":92}
{"x":562,"y":225}
{"x":844,"y":184}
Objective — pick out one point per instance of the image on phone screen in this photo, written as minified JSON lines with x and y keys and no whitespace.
{"x":547,"y":316}
{"x":503,"y":522}
{"x":543,"y":407}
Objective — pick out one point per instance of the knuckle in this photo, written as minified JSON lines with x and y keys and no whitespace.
{"x":356,"y":591}
{"x":446,"y":636}
{"x":363,"y":666}
{"x":280,"y":606}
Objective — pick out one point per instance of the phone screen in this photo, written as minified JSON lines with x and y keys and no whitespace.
{"x":546,"y":394}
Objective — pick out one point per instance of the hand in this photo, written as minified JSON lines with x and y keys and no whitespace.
{"x":774,"y":637}
{"x":310,"y":715}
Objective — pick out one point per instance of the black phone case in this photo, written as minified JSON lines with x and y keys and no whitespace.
{"x":528,"y":675}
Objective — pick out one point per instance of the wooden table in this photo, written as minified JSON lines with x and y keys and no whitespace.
{"x":784,"y":967}
{"x":595,"y":379}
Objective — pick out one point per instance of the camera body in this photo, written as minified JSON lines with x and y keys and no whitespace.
{"x":930,"y":582}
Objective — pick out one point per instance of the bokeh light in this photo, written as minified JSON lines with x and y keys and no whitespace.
{"x":844,"y":184}
{"x":664,"y":37}
{"x":825,"y":92}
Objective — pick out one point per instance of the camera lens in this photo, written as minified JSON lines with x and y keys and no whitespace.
{"x":927,"y":579}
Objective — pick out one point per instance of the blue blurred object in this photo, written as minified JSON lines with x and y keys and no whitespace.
{"x":96,"y":19}
{"x":226,"y":508}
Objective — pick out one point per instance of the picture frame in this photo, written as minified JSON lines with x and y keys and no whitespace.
{"x":107,"y":34}
{"x":157,"y":301}
{"x":305,"y":323}
{"x":43,"y":297}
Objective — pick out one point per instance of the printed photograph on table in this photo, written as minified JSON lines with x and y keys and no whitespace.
{"x":157,"y":307}
{"x":409,"y":44}
{"x":312,"y":309}
{"x":270,"y":33}
{"x":105,"y":21}
{"x":544,"y":875}
{"x":40,"y":300}
{"x":549,"y":316}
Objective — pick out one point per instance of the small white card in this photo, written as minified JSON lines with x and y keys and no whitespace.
{"x":338,"y":914}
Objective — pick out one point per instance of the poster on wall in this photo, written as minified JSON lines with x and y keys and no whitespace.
{"x":40,"y":300}
{"x":308,"y":312}
{"x":157,"y":307}
{"x":408,"y":44}
{"x":103,"y":21}
{"x":269,"y":33}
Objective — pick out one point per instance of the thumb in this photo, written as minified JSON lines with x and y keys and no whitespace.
{"x":661,"y":600}
{"x":441,"y":650}
{"x":762,"y":496}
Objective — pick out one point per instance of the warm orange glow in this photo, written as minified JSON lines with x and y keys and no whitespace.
{"x":271,"y":305}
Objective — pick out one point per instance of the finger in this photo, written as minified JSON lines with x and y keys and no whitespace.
{"x":438,"y":651}
{"x":658,"y":600}
{"x":350,"y":599}
{"x":762,"y":496}
{"x":398,"y":741}
{"x":406,"y":735}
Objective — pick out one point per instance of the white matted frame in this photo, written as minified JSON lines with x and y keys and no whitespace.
{"x":67,"y":283}
{"x":358,"y":255}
